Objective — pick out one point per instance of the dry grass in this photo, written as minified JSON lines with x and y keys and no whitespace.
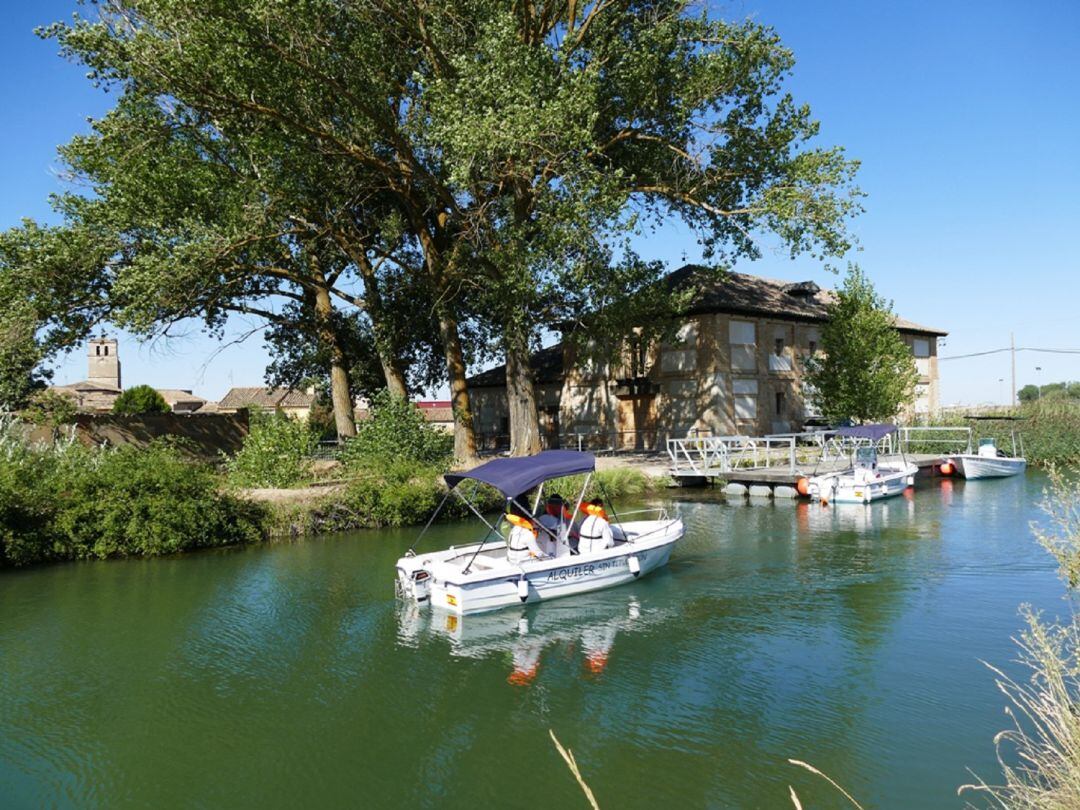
{"x":1040,"y":753}
{"x":571,"y":763}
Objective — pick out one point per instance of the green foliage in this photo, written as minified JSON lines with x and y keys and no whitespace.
{"x":1058,"y":390}
{"x":396,"y":431}
{"x":1050,"y":432}
{"x":50,"y":409}
{"x":615,"y":483}
{"x":138,"y":400}
{"x":496,"y":158}
{"x":396,"y":493}
{"x":276,"y":453}
{"x":68,"y":502}
{"x":866,"y":373}
{"x":54,"y":287}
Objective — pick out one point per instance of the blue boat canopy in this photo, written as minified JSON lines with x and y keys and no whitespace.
{"x":513,"y":476}
{"x":873,"y":432}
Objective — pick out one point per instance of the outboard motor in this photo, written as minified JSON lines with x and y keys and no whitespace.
{"x":413,"y":582}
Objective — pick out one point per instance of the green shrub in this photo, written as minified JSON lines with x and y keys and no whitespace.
{"x":397,"y":431}
{"x":398,"y":493}
{"x":615,"y":484}
{"x":276,"y":453}
{"x":68,"y":502}
{"x":140,"y":399}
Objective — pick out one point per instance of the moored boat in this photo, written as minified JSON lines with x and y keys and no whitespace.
{"x":988,"y":462}
{"x":481,"y":576}
{"x":869,"y":478}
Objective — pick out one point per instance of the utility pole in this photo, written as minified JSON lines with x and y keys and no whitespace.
{"x":1012,"y":346}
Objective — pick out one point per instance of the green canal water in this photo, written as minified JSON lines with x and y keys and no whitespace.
{"x":288,"y":676}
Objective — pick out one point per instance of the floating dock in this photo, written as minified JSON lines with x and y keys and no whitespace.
{"x":767,"y":466}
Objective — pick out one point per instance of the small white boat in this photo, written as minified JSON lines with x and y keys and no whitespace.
{"x":869,"y":478}
{"x":989,"y":462}
{"x":478,"y":577}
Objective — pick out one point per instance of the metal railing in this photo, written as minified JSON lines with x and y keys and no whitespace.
{"x":941,"y":440}
{"x":708,"y":456}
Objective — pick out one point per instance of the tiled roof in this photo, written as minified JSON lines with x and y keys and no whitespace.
{"x":546,"y":364}
{"x":438,"y":414}
{"x":173,"y":395}
{"x":740,"y":293}
{"x":86,"y":385}
{"x":262,"y":397}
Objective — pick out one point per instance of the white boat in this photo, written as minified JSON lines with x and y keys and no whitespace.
{"x":478,"y":576}
{"x":988,"y":462}
{"x":870,"y":477}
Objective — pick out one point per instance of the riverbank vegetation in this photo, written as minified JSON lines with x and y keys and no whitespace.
{"x":1040,"y":753}
{"x":67,"y":502}
{"x":1050,"y":430}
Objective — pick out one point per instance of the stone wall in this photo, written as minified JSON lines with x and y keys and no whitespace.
{"x":207,"y":436}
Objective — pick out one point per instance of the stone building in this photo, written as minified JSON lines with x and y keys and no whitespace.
{"x":296,"y":404}
{"x":735,"y":367}
{"x":100,"y":389}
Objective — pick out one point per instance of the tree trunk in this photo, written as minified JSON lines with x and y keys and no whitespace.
{"x":340,"y":389}
{"x":521,"y":397}
{"x":373,"y":306}
{"x":464,"y":433}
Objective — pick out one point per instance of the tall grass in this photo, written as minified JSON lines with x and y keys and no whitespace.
{"x":1050,"y":431}
{"x":1040,"y":753}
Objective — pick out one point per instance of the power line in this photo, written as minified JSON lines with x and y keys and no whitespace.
{"x":1009,"y":349}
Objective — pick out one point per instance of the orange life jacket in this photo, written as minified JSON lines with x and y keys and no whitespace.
{"x":594,"y":511}
{"x":522,"y":523}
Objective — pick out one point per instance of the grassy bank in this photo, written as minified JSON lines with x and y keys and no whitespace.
{"x":1050,"y":431}
{"x":407,"y":494}
{"x":68,"y":502}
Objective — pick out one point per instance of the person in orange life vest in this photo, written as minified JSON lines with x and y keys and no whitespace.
{"x":554,"y":527}
{"x":594,"y":533}
{"x":521,"y":544}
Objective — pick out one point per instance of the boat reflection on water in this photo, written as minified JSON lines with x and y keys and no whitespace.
{"x":589,"y":622}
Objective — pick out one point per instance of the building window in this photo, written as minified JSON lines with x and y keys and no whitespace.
{"x":780,"y":359}
{"x":920,"y":347}
{"x":743,"y":339}
{"x":106,"y":351}
{"x":97,"y":351}
{"x":813,"y":347}
{"x":744,"y":396}
{"x":779,"y":403}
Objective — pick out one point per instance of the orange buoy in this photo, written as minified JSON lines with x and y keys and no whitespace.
{"x":947,"y":468}
{"x":802,"y":486}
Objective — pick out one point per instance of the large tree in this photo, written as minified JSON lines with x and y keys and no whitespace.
{"x":865,"y":373}
{"x":483,"y":121}
{"x":54,"y":285}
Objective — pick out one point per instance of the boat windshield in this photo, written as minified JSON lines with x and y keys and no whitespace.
{"x":865,"y":456}
{"x":986,"y":442}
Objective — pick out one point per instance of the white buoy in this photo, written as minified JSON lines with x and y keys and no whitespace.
{"x":635,"y":565}
{"x":523,"y":589}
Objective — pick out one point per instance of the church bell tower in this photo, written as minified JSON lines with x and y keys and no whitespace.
{"x":104,"y":362}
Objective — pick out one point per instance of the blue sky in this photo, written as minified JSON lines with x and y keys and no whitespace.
{"x":965,"y":116}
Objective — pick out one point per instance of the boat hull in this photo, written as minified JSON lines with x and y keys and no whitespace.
{"x":494,"y":588}
{"x":974,"y":466}
{"x":845,"y":488}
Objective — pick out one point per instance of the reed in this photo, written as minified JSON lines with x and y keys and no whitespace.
{"x":1040,"y":753}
